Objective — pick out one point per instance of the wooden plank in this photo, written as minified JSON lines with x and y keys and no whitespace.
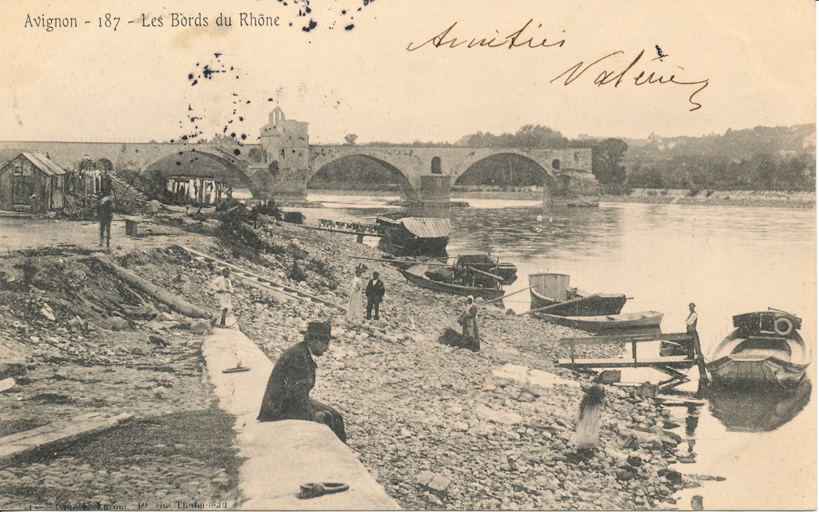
{"x":651,"y":362}
{"x":626,"y":338}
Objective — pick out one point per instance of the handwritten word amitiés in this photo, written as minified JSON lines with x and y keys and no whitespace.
{"x":607,"y":77}
{"x":514,"y":40}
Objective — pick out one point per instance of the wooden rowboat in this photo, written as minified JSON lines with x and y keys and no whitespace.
{"x":606,"y":322}
{"x":416,"y":274}
{"x":549,"y":290}
{"x":764,"y":349}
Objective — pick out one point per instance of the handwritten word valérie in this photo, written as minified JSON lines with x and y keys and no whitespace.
{"x":607,"y":77}
{"x":516,"y":39}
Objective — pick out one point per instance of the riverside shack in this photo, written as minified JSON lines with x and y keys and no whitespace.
{"x":31,"y":182}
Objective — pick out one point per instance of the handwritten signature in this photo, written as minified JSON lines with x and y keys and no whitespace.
{"x":511,"y":40}
{"x":607,"y":77}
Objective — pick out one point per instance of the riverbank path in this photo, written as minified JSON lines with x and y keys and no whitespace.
{"x":280,"y":456}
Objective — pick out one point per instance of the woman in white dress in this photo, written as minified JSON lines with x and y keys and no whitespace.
{"x":355,"y":308}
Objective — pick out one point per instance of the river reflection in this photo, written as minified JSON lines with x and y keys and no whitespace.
{"x":760,"y":410}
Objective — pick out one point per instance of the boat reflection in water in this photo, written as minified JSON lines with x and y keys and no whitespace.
{"x":763,"y":410}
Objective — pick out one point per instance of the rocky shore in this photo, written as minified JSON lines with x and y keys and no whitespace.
{"x":439,"y":427}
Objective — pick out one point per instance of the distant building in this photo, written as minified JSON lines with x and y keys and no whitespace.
{"x":31,"y":182}
{"x":285,"y":143}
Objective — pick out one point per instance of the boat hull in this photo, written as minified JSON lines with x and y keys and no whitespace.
{"x":604,"y":323}
{"x":593,"y":305}
{"x":415,"y":275}
{"x":782,"y":362}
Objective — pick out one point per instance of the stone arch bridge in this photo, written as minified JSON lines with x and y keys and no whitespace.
{"x":425,"y":174}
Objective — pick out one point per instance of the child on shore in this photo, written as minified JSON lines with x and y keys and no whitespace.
{"x":223,"y":288}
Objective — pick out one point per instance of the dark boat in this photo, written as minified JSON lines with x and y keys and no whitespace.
{"x":764,"y":349}
{"x":602,"y":323}
{"x":485,"y":263}
{"x":507,"y":272}
{"x":553,"y":291}
{"x":419,"y":274}
{"x":415,"y":235}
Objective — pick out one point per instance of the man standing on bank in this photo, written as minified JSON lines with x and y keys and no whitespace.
{"x":375,"y":293}
{"x":105,"y":209}
{"x":287,"y":396}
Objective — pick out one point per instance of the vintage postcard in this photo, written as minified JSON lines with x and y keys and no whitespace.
{"x":373,"y":255}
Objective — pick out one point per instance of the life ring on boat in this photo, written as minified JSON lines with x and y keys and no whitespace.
{"x":783,"y":326}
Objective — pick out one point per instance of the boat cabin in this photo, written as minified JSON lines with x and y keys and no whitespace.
{"x":769,"y":323}
{"x":553,"y":286}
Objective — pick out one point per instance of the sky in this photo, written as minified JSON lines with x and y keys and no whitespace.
{"x":353,"y":73}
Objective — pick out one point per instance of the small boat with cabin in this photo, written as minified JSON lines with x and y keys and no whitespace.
{"x":446,"y":280}
{"x":763,"y":349}
{"x":605,"y":323}
{"x":553,"y":290}
{"x":414,"y":235}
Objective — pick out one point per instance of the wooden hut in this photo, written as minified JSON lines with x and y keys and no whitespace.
{"x":31,"y":182}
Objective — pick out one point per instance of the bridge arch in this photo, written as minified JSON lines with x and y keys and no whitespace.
{"x":198,"y":163}
{"x":520,"y":160}
{"x":408,"y":191}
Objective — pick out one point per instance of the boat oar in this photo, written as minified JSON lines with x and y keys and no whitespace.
{"x":551,"y":306}
{"x":388,"y":260}
{"x":501,"y":298}
{"x":493,"y":276}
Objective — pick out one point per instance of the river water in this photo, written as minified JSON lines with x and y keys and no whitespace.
{"x":728,"y":260}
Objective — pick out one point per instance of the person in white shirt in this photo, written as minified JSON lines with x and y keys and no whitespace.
{"x":691,"y":328}
{"x":223,"y":288}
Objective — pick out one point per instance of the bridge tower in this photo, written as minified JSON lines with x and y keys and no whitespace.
{"x":286,"y":149}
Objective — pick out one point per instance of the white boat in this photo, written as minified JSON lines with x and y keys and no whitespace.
{"x":602,"y":323}
{"x":764,"y":349}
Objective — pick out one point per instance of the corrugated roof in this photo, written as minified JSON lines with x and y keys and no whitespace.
{"x":44,"y":163}
{"x":425,"y":227}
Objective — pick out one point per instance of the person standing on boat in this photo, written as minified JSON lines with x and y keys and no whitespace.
{"x":469,"y":322}
{"x":355,"y":308}
{"x":375,"y":293}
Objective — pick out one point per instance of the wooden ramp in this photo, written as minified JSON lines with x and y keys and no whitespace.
{"x":668,"y":365}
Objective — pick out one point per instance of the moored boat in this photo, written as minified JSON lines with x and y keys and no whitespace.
{"x":415,"y":235}
{"x":764,"y":349}
{"x":549,"y":290}
{"x":603,"y":323}
{"x":417,"y":274}
{"x":486,"y":263}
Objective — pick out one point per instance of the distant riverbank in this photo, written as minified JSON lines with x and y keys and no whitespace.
{"x":717,"y":197}
{"x":649,"y":196}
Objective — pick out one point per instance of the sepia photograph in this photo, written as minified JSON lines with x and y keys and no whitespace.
{"x":428,"y":255}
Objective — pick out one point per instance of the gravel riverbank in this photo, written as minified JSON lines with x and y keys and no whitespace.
{"x":496,"y":425}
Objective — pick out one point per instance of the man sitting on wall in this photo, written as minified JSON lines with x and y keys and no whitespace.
{"x":287,"y":396}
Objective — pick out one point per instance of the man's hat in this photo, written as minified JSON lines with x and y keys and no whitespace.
{"x":692,"y":304}
{"x":319,"y":330}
